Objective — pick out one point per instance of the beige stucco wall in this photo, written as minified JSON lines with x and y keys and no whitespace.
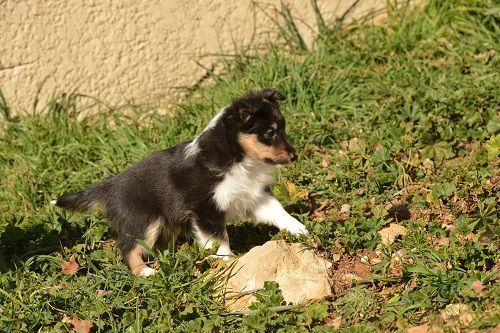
{"x":119,"y":50}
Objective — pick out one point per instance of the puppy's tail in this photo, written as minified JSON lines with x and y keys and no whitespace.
{"x":90,"y":198}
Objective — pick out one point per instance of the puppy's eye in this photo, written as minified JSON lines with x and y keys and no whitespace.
{"x":270,"y":132}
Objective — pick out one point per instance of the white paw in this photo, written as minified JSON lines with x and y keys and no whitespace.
{"x":296,"y":228}
{"x":146,"y":271}
{"x":226,"y":257}
{"x":223,"y":257}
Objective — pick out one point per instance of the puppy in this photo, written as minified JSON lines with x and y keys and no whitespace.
{"x":221,"y":175}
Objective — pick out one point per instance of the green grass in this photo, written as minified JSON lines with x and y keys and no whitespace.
{"x":405,"y":111}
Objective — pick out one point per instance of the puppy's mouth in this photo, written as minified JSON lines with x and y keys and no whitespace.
{"x":279,"y":160}
{"x":269,"y":155}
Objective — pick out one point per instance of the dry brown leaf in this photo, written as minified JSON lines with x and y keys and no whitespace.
{"x":335,"y":323}
{"x":396,"y":266}
{"x":396,"y":269}
{"x":294,"y":192}
{"x":424,"y":329}
{"x":345,"y":208}
{"x":440,"y":242}
{"x":69,"y":267}
{"x":390,"y":233}
{"x":325,"y":162}
{"x":418,"y":329}
{"x":82,"y":326}
{"x":496,"y":329}
{"x":470,"y":236}
{"x":453,"y":310}
{"x":350,"y":277}
{"x":341,"y":153}
{"x":320,"y":212}
{"x":466,"y":318}
{"x":319,"y":215}
{"x":349,"y":144}
{"x":447,"y":217}
{"x":477,"y":286}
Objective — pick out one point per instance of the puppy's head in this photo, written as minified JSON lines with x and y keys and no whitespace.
{"x":261,"y":132}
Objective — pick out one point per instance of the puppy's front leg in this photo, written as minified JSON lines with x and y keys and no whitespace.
{"x":206,"y":240}
{"x":270,"y":211}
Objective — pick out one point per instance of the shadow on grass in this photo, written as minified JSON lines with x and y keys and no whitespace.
{"x":244,"y":236}
{"x":18,"y":244}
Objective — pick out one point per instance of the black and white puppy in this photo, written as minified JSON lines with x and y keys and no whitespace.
{"x":221,"y":175}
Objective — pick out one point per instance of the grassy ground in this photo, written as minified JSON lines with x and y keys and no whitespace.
{"x":395,"y":124}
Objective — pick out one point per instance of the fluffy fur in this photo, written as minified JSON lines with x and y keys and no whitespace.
{"x":198,"y":185}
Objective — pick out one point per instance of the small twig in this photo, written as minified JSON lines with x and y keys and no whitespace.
{"x":320,"y":21}
{"x":243,"y":293}
{"x":342,"y":17}
{"x":281,"y":308}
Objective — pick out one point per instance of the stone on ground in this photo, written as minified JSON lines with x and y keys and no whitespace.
{"x":301,"y":274}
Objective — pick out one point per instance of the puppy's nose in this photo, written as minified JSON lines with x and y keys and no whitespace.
{"x":293,"y":156}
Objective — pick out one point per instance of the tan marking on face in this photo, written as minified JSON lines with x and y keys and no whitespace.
{"x":274,"y":125}
{"x":135,"y":261}
{"x":255,"y":149}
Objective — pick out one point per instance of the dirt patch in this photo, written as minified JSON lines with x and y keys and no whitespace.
{"x":349,"y":268}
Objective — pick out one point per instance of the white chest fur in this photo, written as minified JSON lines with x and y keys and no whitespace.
{"x":242,"y":187}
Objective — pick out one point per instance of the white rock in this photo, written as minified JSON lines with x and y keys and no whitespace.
{"x":301,"y":274}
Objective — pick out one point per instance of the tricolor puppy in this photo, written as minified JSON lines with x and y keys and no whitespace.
{"x":221,"y":175}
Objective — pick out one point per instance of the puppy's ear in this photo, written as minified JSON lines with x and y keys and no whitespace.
{"x":246,"y":114}
{"x":272,"y":95}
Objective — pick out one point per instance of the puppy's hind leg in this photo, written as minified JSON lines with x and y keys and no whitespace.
{"x":133,"y":252}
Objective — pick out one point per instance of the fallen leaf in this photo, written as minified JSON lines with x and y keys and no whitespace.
{"x":325,"y":162}
{"x":477,"y":286}
{"x":390,"y":233}
{"x":448,"y":227}
{"x":349,"y":277}
{"x":374,"y":258}
{"x":424,"y":329}
{"x":447,"y":217}
{"x":470,"y":236}
{"x":334,"y":323}
{"x":294,"y":192}
{"x":453,"y":310}
{"x":466,"y":318}
{"x":69,"y":267}
{"x":319,"y":215}
{"x":341,"y":154}
{"x":440,"y":242}
{"x":345,"y":208}
{"x":396,"y":265}
{"x":418,"y":329}
{"x":320,"y":212}
{"x":82,"y":326}
{"x":101,"y":292}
